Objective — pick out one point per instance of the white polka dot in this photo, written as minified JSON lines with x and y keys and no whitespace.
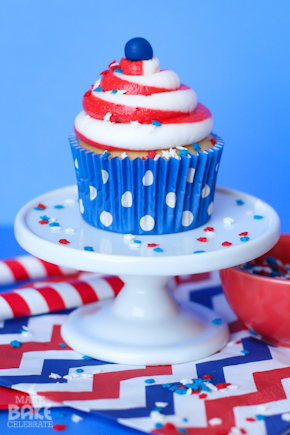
{"x":187,"y":218}
{"x":76,"y":163}
{"x":205,"y":191}
{"x":217,"y":166}
{"x":105,"y":176}
{"x":106,"y":218}
{"x":171,"y":199}
{"x":147,"y":222}
{"x":93,"y":192}
{"x":127,"y":199}
{"x":209,"y":209}
{"x":81,"y":206}
{"x":148,"y":178}
{"x":190,"y":175}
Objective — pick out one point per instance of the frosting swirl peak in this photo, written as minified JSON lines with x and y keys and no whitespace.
{"x":137,"y":106}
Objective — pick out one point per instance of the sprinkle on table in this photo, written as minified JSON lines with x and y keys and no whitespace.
{"x":158,"y":250}
{"x":59,"y":427}
{"x":15,"y":343}
{"x":58,"y":206}
{"x":258,"y":217}
{"x":222,"y":385}
{"x":152,"y":245}
{"x":202,"y":239}
{"x":64,"y":241}
{"x":198,"y":252}
{"x":244,"y":239}
{"x":44,"y":218}
{"x":244,"y":234}
{"x":208,"y":229}
{"x":149,"y":381}
{"x":217,"y":321}
{"x":169,"y":425}
{"x":240,"y":202}
{"x":207,"y":377}
{"x":226,"y":244}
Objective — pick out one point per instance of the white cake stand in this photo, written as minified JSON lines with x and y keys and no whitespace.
{"x":145,"y":325}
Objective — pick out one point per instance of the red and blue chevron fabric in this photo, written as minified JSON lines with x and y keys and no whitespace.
{"x":251,"y":378}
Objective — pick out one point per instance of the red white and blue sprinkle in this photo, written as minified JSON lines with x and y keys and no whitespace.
{"x":217,"y":321}
{"x":196,"y":146}
{"x":149,"y":381}
{"x":88,"y":248}
{"x":54,"y":224}
{"x":15,"y":343}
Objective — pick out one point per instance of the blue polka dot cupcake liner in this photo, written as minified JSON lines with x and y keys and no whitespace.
{"x":146,"y":196}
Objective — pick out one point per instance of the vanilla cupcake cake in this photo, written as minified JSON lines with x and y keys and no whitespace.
{"x":145,"y":158}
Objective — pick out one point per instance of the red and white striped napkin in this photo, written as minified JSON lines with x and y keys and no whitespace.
{"x":28,"y":267}
{"x":60,"y":288}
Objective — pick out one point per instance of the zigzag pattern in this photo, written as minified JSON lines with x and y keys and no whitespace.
{"x":120,"y":391}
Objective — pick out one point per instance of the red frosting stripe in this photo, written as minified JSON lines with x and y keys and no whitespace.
{"x":98,"y":108}
{"x":131,"y":68}
{"x":199,"y":114}
{"x":109,"y":82}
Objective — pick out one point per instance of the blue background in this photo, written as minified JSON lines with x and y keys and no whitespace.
{"x":234,"y":54}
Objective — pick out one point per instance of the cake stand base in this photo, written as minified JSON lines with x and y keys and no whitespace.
{"x":145,"y":325}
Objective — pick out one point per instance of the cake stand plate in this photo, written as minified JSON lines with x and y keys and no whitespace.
{"x":145,"y":324}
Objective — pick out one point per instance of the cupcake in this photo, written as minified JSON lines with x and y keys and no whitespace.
{"x":145,"y":158}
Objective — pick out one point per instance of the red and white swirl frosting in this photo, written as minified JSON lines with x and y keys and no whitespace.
{"x":119,"y":109}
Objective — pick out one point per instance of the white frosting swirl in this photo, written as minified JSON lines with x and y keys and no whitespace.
{"x":183,"y":121}
{"x":178,"y":101}
{"x":143,"y":136}
{"x":165,"y":79}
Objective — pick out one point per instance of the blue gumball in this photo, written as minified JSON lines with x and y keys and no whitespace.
{"x":138,"y":49}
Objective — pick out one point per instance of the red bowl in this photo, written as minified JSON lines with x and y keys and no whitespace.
{"x":261,"y":303}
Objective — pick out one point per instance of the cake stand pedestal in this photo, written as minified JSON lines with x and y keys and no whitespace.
{"x":145,"y":325}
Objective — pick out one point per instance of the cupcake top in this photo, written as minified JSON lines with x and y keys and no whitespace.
{"x":136,"y":106}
